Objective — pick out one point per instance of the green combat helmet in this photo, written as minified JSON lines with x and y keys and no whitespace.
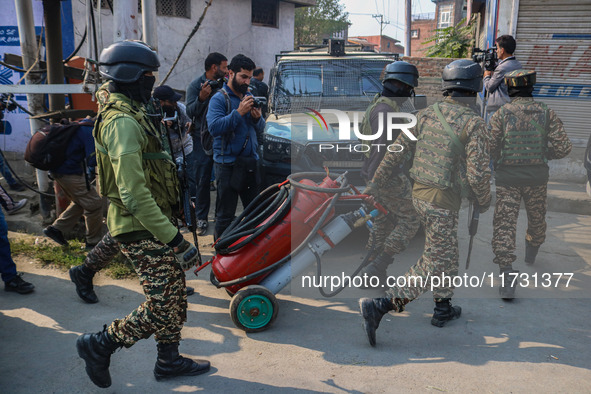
{"x":520,"y":78}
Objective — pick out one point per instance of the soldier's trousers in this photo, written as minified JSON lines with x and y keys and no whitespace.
{"x":440,"y":255}
{"x":165,"y":309}
{"x":102,"y":254}
{"x":505,"y":220}
{"x":392,"y":235}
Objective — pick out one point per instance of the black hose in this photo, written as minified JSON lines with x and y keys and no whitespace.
{"x":77,"y":48}
{"x":277,"y":264}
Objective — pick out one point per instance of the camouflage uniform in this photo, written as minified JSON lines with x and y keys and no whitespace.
{"x":391,"y":235}
{"x":102,"y":254}
{"x":443,"y":175}
{"x":525,"y":134}
{"x":164,"y":310}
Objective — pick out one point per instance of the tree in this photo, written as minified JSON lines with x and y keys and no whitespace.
{"x":312,"y":24}
{"x":452,"y":42}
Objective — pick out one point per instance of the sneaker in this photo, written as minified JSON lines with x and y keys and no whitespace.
{"x":18,"y":285}
{"x":55,"y":234}
{"x":16,"y":207}
{"x":17,"y":187}
{"x":190,"y":291}
{"x":201,"y":227}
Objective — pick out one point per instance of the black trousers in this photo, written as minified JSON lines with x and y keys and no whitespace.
{"x":227,"y":197}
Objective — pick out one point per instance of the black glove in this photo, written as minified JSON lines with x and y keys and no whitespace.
{"x":187,"y":255}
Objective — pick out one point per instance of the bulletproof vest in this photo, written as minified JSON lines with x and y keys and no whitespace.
{"x":157,"y":162}
{"x":439,"y":155}
{"x":524,"y":139}
{"x":366,"y":123}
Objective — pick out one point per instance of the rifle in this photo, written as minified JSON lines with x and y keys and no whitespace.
{"x":187,"y":202}
{"x":472,"y":227}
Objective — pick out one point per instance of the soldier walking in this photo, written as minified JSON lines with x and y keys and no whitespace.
{"x":139,"y":178}
{"x":525,"y":135}
{"x":451,"y":162}
{"x":390,"y":185}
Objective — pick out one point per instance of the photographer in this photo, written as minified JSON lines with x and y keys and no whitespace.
{"x":494,"y":79}
{"x":199,"y":93}
{"x":235,"y":142}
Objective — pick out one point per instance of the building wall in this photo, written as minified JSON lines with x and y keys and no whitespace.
{"x":226,"y":28}
{"x":426,"y":30}
{"x":393,"y":48}
{"x":430,"y":69}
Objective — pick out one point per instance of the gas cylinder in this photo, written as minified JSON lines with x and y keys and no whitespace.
{"x":279,"y":240}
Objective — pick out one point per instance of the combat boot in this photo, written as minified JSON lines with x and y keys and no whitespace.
{"x":376,"y":268}
{"x":444,"y":312}
{"x":96,"y":350}
{"x":170,"y":363}
{"x":508,"y":283}
{"x":82,"y":276}
{"x":372,"y":310}
{"x":530,"y":253}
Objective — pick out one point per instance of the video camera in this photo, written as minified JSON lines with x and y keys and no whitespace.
{"x":488,"y":56}
{"x":259,"y":101}
{"x":216,"y":84}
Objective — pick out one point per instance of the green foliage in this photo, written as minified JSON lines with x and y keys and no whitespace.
{"x":67,"y":256}
{"x":312,"y":24}
{"x":452,"y":42}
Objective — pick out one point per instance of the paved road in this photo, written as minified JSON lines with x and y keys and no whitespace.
{"x":538,"y":343}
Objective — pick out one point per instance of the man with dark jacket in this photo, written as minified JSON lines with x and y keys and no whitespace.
{"x":199,"y":93}
{"x":72,"y":178}
{"x":235,"y":142}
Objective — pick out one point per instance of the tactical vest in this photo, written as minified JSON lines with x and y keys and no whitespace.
{"x":157,"y":163}
{"x":524,"y":139}
{"x":366,"y":123}
{"x":439,"y":153}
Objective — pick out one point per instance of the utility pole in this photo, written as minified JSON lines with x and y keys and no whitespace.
{"x":55,"y":75}
{"x":150,"y":27}
{"x":26,"y":32}
{"x":408,"y":15}
{"x":125,"y":21}
{"x":382,"y":23}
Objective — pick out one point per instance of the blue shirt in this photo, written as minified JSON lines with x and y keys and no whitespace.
{"x":231,"y":130}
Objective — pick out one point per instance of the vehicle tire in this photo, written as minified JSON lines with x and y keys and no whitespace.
{"x":254,"y":308}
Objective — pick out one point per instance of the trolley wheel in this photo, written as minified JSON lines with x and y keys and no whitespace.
{"x":253,"y":308}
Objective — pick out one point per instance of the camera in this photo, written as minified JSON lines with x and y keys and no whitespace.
{"x":216,"y":84}
{"x":486,"y":56}
{"x":259,"y":102}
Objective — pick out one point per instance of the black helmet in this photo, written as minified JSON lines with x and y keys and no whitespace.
{"x":402,"y":71}
{"x":462,"y":74}
{"x":126,"y":61}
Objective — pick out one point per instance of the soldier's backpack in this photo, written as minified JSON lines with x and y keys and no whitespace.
{"x":46,"y":150}
{"x":205,"y":136}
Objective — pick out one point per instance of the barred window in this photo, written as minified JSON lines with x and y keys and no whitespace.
{"x":176,"y":8}
{"x":265,"y":12}
{"x":104,"y":3}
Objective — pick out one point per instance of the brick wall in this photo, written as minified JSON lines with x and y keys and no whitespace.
{"x":430,"y":69}
{"x":425,"y":29}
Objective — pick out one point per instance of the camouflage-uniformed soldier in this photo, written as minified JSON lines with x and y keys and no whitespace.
{"x":391,"y":186}
{"x":525,"y":135}
{"x":139,"y":178}
{"x":106,"y":250}
{"x":451,"y":160}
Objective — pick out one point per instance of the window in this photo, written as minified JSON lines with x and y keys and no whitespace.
{"x":178,"y":8}
{"x":445,"y":16}
{"x":265,"y":12}
{"x":414,"y":33}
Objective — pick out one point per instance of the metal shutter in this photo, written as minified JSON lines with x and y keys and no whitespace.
{"x":554,"y":38}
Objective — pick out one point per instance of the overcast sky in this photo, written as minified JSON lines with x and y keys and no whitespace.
{"x":393,"y":11}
